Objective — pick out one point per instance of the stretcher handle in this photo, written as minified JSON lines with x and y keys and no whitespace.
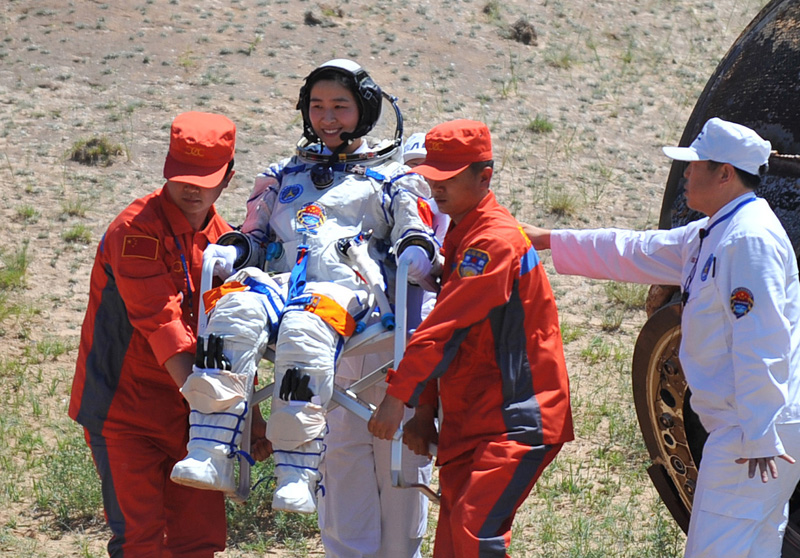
{"x":356,"y":249}
{"x":401,"y":312}
{"x":401,"y":320}
{"x":347,"y":398}
{"x":206,"y":280}
{"x":397,"y":469}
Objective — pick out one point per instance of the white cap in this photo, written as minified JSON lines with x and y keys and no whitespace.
{"x":725,"y":142}
{"x":414,"y":147}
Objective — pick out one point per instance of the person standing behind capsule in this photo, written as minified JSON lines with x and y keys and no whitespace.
{"x":414,"y":154}
{"x":414,"y":151}
{"x":740,"y":342}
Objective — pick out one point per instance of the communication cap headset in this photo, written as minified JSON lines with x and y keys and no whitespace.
{"x":367,"y":93}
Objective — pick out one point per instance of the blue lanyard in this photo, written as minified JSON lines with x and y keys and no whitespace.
{"x":189,"y":291}
{"x":729,"y":214}
{"x":703,"y":234}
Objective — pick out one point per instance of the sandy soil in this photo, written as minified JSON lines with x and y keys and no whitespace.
{"x":614,"y":80}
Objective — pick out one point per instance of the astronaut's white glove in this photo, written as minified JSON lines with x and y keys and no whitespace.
{"x":419,"y":264}
{"x":227,"y":254}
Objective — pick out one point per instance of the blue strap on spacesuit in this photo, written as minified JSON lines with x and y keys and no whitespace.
{"x":297,"y":279}
{"x":274,"y":303}
{"x":320,"y":486}
{"x":227,"y":435}
{"x":294,"y":169}
{"x":373,"y":174}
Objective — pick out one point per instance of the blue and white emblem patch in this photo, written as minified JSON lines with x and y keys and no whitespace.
{"x":707,"y":268}
{"x":473,"y":262}
{"x":742,"y":301}
{"x":290,"y":193}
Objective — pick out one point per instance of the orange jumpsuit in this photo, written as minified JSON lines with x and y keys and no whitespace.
{"x":143,"y":304}
{"x":493,"y":345}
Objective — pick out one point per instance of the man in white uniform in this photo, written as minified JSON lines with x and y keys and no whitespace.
{"x":740,"y":334}
{"x":301,"y":217}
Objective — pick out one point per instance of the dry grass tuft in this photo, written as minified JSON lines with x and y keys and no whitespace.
{"x":95,"y":152}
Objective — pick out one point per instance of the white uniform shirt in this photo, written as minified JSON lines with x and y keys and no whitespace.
{"x":741,"y":322}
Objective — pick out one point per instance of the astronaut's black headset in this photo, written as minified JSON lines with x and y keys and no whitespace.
{"x":369,"y":97}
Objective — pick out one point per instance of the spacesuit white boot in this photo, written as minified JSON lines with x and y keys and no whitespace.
{"x":213,"y":443}
{"x":305,"y":352}
{"x":218,"y":398}
{"x":298,"y":477}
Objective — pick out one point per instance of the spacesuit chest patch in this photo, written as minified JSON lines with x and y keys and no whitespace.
{"x":741,"y":301}
{"x":290,"y":193}
{"x":473,"y":262}
{"x":310,"y":218}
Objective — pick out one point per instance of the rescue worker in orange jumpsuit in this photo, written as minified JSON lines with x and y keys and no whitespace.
{"x":490,"y":350}
{"x":137,"y":348}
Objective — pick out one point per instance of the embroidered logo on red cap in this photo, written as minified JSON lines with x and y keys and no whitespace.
{"x":201,"y":146}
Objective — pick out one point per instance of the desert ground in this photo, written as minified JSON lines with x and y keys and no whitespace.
{"x":578,"y":111}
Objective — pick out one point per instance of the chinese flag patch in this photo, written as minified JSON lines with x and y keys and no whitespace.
{"x":137,"y":246}
{"x":425,"y":212}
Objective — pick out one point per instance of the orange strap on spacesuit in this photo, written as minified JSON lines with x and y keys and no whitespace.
{"x":212,"y":296}
{"x":332,"y":313}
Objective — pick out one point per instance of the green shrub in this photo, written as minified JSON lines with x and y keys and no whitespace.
{"x":79,"y":234}
{"x":13,"y":267}
{"x":540,"y":125}
{"x":95,"y":151}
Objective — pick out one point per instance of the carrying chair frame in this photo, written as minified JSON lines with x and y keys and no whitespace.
{"x":361,"y":343}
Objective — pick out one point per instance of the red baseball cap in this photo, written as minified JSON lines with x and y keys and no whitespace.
{"x":453,"y":146}
{"x":201,"y":145}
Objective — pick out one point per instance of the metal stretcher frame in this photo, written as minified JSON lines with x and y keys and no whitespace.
{"x":358,"y":344}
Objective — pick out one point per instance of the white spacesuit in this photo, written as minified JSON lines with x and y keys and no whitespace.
{"x":301,"y":216}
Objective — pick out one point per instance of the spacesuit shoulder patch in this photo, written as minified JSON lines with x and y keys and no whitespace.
{"x":742,"y":301}
{"x":425,"y":212}
{"x":290,"y":192}
{"x":473,"y":262}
